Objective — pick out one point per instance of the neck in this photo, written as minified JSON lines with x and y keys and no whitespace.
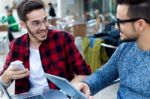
{"x":35,"y":43}
{"x":144,"y":41}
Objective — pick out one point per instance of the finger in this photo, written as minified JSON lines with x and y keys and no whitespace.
{"x":87,"y":93}
{"x":83,"y":87}
{"x":77,"y":85}
{"x":86,"y":90}
{"x":19,"y":72}
{"x":20,"y":76}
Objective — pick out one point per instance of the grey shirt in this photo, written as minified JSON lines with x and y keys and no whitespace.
{"x":132,"y":66}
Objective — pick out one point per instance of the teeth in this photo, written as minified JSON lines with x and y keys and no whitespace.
{"x":41,"y":33}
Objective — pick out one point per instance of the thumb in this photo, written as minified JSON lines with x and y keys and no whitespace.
{"x":86,"y":90}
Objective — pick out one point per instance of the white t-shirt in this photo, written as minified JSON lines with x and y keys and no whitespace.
{"x":37,"y":78}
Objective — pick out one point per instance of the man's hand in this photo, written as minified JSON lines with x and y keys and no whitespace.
{"x":14,"y":73}
{"x":83,"y":87}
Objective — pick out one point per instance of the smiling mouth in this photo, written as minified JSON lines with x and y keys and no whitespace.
{"x":42,"y":32}
{"x":121,"y":32}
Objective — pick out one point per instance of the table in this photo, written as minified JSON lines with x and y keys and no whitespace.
{"x":3,"y":34}
{"x":3,"y":27}
{"x":45,"y":94}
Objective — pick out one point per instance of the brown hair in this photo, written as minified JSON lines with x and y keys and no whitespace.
{"x":26,"y":6}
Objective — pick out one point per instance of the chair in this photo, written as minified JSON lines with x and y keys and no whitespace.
{"x":3,"y":92}
{"x":4,"y":47}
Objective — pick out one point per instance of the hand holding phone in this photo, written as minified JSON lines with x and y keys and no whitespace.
{"x":17,"y":63}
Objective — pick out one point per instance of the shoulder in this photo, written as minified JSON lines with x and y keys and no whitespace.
{"x":125,"y":47}
{"x":20,"y":41}
{"x":57,"y":34}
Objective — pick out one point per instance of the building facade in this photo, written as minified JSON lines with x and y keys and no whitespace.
{"x":102,"y":5}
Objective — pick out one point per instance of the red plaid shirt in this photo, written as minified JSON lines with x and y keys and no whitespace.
{"x":59,"y":56}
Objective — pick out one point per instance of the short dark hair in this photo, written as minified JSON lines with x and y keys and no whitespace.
{"x":137,"y":8}
{"x":50,"y":4}
{"x":26,"y":6}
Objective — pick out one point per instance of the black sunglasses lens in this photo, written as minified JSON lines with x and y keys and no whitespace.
{"x":118,"y":24}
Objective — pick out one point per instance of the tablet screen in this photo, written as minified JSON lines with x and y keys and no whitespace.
{"x":65,"y":86}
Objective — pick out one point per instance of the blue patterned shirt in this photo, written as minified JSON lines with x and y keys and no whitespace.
{"x":132,"y":66}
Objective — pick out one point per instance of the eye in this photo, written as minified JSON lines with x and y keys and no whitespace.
{"x":45,"y":20}
{"x":118,"y":20}
{"x":36,"y":23}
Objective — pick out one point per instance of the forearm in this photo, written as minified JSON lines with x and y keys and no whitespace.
{"x":101,"y":79}
{"x":5,"y":82}
{"x":5,"y":79}
{"x":95,"y":83}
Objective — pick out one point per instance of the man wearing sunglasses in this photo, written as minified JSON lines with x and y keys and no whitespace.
{"x":131,"y":60}
{"x":41,"y":50}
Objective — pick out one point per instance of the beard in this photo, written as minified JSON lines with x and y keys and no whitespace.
{"x":33,"y":34}
{"x":129,"y":40}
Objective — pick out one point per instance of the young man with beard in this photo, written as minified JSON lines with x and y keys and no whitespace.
{"x":131,"y":61}
{"x":41,"y":50}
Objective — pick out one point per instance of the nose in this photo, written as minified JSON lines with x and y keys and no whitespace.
{"x":43,"y":26}
{"x":116,"y":26}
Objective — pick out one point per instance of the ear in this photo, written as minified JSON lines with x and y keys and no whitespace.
{"x":23,"y":24}
{"x":140,"y":25}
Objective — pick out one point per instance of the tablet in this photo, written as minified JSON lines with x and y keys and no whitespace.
{"x":65,"y":86}
{"x":4,"y":91}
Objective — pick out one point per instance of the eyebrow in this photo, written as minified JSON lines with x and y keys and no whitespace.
{"x":39,"y":20}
